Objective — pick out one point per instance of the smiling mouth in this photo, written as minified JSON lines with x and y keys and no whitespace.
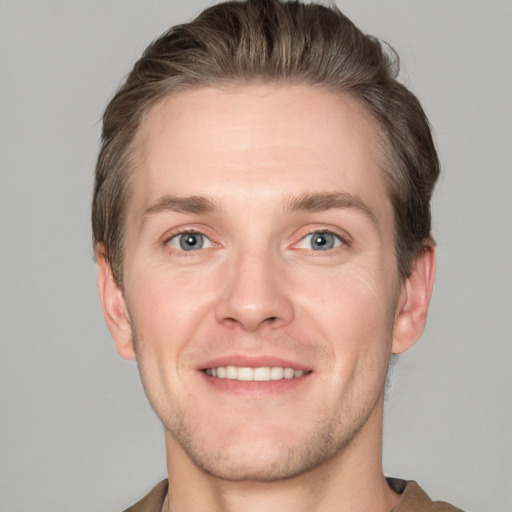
{"x":259,"y":374}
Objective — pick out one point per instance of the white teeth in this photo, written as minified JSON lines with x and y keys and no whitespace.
{"x":288,"y":373}
{"x":231,"y":372}
{"x":245,"y":374}
{"x":276,"y":373}
{"x":260,"y":374}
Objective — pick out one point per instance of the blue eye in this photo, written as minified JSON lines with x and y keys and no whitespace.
{"x":320,"y":241}
{"x":189,"y":242}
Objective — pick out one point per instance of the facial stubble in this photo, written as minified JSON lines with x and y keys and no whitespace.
{"x":332,"y":433}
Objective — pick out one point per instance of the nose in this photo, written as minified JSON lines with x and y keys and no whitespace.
{"x":254,"y":293}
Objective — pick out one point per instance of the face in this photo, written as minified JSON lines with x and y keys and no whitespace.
{"x":261,"y":295}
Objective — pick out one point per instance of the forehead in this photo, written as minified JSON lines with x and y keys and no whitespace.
{"x":256,"y":141}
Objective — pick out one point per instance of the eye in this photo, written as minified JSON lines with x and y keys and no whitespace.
{"x":320,"y":241}
{"x":189,"y":242}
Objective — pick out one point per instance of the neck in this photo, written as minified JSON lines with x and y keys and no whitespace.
{"x":351,"y":481}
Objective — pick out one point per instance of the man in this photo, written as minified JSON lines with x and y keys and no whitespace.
{"x":262,"y":228}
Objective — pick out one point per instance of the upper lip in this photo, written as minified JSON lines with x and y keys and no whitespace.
{"x":252,"y":361}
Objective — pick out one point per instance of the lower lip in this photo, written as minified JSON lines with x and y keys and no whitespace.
{"x":255,"y":388}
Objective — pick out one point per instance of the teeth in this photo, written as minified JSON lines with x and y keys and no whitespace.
{"x":288,"y":373}
{"x":231,"y":372}
{"x":260,"y":374}
{"x":244,"y":374}
{"x":276,"y":373}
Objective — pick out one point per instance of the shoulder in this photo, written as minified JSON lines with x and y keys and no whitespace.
{"x":415,"y":499}
{"x":153,"y":501}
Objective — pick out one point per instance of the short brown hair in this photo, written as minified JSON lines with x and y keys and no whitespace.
{"x":273,"y":41}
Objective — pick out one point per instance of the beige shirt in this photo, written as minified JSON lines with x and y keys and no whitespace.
{"x":414,"y":499}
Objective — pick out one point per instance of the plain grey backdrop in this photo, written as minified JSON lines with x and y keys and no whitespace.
{"x":76,"y":432}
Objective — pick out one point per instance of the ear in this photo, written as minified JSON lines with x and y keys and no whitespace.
{"x":114,"y":307}
{"x":412,"y":309}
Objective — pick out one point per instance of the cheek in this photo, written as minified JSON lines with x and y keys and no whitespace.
{"x":351,"y":297}
{"x":167,"y":310}
{"x":353,"y":312}
{"x":167,"y":307}
{"x":371,"y":308}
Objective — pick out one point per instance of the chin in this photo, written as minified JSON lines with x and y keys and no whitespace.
{"x":262,"y":460}
{"x":241,"y":467}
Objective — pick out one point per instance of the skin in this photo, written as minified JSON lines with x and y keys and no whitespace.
{"x":258,"y":293}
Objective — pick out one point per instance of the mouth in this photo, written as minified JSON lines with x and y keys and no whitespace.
{"x":257,"y":374}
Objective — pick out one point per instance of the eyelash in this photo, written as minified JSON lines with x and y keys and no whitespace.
{"x":191,"y":231}
{"x":343,"y":242}
{"x":342,"y":239}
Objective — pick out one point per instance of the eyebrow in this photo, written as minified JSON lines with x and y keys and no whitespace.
{"x":190,"y":204}
{"x":170,"y":203}
{"x":322,"y":201}
{"x":314,"y":202}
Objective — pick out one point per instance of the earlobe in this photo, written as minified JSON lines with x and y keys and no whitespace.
{"x":414,"y":301}
{"x":114,"y":307}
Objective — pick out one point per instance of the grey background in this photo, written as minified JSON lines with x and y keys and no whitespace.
{"x":76,"y":432}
